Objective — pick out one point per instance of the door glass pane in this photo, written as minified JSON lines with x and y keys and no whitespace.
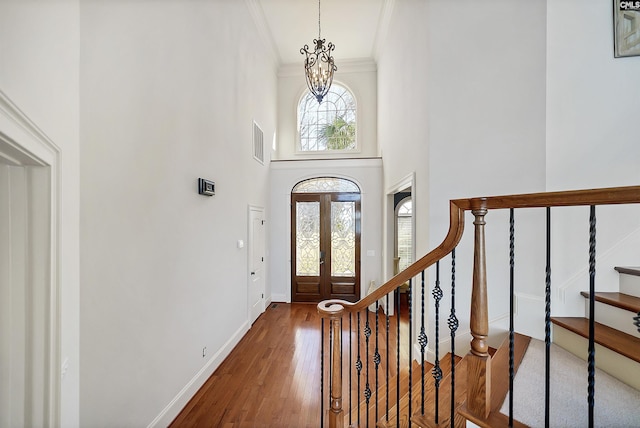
{"x":326,"y":184}
{"x":343,"y":238}
{"x":308,"y":238}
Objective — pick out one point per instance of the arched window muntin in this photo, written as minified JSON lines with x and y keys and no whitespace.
{"x":326,"y":185}
{"x":330,"y":126}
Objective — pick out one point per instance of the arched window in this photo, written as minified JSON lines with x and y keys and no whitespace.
{"x":329,"y":125}
{"x":404,"y":244}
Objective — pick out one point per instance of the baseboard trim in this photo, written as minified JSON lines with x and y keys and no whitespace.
{"x":169,"y":413}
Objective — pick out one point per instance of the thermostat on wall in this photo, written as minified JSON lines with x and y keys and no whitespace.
{"x":206,"y":187}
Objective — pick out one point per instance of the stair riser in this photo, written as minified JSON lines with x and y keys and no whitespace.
{"x":618,"y":366}
{"x":613,"y":317}
{"x":630,"y":284}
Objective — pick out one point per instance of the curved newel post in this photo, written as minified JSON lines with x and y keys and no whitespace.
{"x":478,"y":359}
{"x":333,"y":310}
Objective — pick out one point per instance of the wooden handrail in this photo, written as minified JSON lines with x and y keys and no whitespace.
{"x":329,"y":308}
{"x":457,"y":208}
{"x":605,"y":196}
{"x":478,"y":360}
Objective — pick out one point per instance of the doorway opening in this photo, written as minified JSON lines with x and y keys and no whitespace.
{"x":325,"y":240}
{"x":30,"y":369}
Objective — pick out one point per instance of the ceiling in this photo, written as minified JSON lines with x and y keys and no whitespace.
{"x":353,"y":26}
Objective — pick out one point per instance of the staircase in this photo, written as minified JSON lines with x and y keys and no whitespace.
{"x":482,"y":377}
{"x":617,"y":338}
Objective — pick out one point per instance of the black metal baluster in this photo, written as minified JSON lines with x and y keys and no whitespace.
{"x":453,"y":326}
{"x":636,"y":321}
{"x":359,"y":369}
{"x":437,"y":371}
{"x":350,"y":371}
{"x":376,"y":360}
{"x":409,"y":304}
{"x":322,"y":373}
{"x":547,"y":325}
{"x":511,"y":308}
{"x":422,"y":340}
{"x":591,"y":388}
{"x":398,"y":359}
{"x":387,"y":383}
{"x":367,"y":389}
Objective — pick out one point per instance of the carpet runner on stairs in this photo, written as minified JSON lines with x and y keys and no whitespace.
{"x":616,"y":404}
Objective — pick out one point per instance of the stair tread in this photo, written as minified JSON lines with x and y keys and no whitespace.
{"x":629,"y":270}
{"x":619,"y":300}
{"x":617,"y":341}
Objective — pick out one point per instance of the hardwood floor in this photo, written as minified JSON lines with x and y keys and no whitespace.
{"x":272,"y":378}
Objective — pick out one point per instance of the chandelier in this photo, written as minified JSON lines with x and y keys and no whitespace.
{"x":319,"y":65}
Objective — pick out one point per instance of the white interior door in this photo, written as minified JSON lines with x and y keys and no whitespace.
{"x":256,"y":262}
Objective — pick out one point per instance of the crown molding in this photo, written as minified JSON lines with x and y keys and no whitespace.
{"x":357,"y":65}
{"x":383,"y":27}
{"x":257,"y":14}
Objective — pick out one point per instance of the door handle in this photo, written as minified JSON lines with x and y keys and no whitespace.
{"x":321,"y":257}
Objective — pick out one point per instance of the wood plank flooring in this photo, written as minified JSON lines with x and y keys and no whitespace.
{"x":271,"y":378}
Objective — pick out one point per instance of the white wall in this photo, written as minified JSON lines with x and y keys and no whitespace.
{"x":462,"y":103}
{"x":39,"y":73}
{"x":285,"y":175}
{"x":592,"y":140}
{"x":358,"y":76}
{"x":169,"y":91}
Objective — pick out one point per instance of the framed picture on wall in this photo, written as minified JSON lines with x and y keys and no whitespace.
{"x":626,"y":28}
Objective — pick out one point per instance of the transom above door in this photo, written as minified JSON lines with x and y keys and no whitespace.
{"x":325,"y":240}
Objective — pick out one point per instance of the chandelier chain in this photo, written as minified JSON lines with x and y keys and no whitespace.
{"x":319,"y":20}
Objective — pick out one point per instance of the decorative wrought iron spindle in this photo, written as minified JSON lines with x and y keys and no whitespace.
{"x":636,"y":321}
{"x":422,"y":340}
{"x":547,"y":324}
{"x":437,"y":371}
{"x":367,"y":388}
{"x":387,"y":364}
{"x":511,"y":308}
{"x":322,"y":372}
{"x":453,"y":326}
{"x":376,"y":358}
{"x":592,"y":292}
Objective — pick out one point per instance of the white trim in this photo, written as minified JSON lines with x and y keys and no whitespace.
{"x":257,"y":14}
{"x":327,"y":164}
{"x":28,"y":145}
{"x":580,"y":277}
{"x":358,"y":65}
{"x":175,"y":406}
{"x":383,"y":27}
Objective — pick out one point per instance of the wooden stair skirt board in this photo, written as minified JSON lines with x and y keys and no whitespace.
{"x":500,"y":383}
{"x":629,"y":280}
{"x":615,"y":310}
{"x":617,"y":353}
{"x":500,"y":387}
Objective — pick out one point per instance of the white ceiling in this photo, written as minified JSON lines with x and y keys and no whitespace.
{"x":352,"y":26}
